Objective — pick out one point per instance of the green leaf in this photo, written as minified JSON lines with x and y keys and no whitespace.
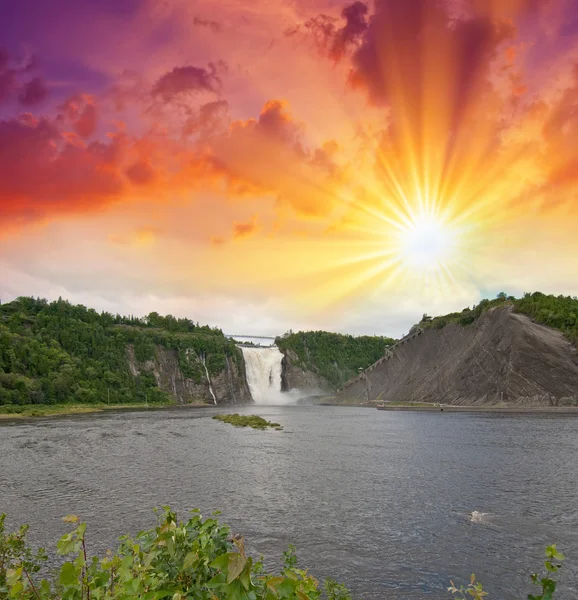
{"x":68,"y":574}
{"x":190,"y":559}
{"x":17,"y":589}
{"x":13,"y":576}
{"x":221,"y":562}
{"x":245,"y":576}
{"x":236,"y":565}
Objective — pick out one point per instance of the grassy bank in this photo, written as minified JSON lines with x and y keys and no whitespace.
{"x":47,"y":410}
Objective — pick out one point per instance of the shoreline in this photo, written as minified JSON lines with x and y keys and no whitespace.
{"x":537,"y":410}
{"x":62,"y":410}
{"x":527,"y":410}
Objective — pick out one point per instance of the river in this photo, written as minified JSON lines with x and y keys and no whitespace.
{"x":378,"y":500}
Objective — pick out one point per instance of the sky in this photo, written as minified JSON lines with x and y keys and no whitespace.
{"x":288,"y":164}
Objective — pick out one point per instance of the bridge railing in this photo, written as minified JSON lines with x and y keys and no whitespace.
{"x":250,"y":337}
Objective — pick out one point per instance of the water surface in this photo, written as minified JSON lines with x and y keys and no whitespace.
{"x":378,"y":500}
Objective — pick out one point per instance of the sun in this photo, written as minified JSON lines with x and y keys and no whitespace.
{"x":427,"y":243}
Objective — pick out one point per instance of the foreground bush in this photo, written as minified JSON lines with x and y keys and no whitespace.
{"x":194,"y":560}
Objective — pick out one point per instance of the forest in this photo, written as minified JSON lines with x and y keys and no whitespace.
{"x":57,"y":352}
{"x":334,"y":356}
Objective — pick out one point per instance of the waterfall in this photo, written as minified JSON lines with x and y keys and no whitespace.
{"x":263,"y":368}
{"x":208,"y":378}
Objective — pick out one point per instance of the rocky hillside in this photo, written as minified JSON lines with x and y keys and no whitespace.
{"x":295,"y":375}
{"x":499,"y":357}
{"x":58,"y":352}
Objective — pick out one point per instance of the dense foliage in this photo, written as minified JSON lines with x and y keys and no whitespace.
{"x":197,"y":559}
{"x":335,"y":357}
{"x":59,"y":353}
{"x":560,"y":312}
{"x":252,"y":421}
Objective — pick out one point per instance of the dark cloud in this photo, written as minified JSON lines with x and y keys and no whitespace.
{"x":355,"y":16}
{"x":332,"y":40}
{"x":186,"y":79}
{"x":33,"y":92}
{"x":214,"y":26}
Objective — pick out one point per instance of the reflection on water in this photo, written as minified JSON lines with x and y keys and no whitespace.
{"x":392,"y":504}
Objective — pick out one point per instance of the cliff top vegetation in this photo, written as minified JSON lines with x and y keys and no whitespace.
{"x":559,"y":312}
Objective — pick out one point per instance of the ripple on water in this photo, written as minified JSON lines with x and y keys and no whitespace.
{"x":393,"y":504}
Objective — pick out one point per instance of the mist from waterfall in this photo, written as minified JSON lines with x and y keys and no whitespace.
{"x":263,"y":369}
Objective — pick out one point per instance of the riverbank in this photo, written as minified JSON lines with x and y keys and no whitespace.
{"x":54,"y":410}
{"x":428,"y":407}
{"x":531,"y":410}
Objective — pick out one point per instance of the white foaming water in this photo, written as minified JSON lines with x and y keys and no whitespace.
{"x":478,"y":517}
{"x":263,"y":368}
{"x":208,"y":378}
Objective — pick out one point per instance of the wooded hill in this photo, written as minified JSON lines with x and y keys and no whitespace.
{"x":333,"y":356}
{"x":57,"y":352}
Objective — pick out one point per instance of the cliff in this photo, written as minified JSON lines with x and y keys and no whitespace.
{"x":502,"y":357}
{"x":295,"y":376}
{"x":229,"y":386}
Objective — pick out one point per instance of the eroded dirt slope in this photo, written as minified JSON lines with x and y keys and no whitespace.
{"x":501,"y":357}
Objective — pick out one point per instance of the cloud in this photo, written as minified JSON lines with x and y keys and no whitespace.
{"x":211,"y":118}
{"x":81,"y":111}
{"x":141,"y":173}
{"x":214,"y":26}
{"x":269,"y":155}
{"x":332,"y":40}
{"x":34,"y":92}
{"x":30,"y":93}
{"x":404,"y":39}
{"x":355,"y":25}
{"x":44,"y":175}
{"x":186,"y":79}
{"x":243,"y":230}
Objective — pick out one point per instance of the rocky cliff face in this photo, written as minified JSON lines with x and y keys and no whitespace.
{"x":229,"y":386}
{"x":502,"y":357}
{"x":294,"y":376}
